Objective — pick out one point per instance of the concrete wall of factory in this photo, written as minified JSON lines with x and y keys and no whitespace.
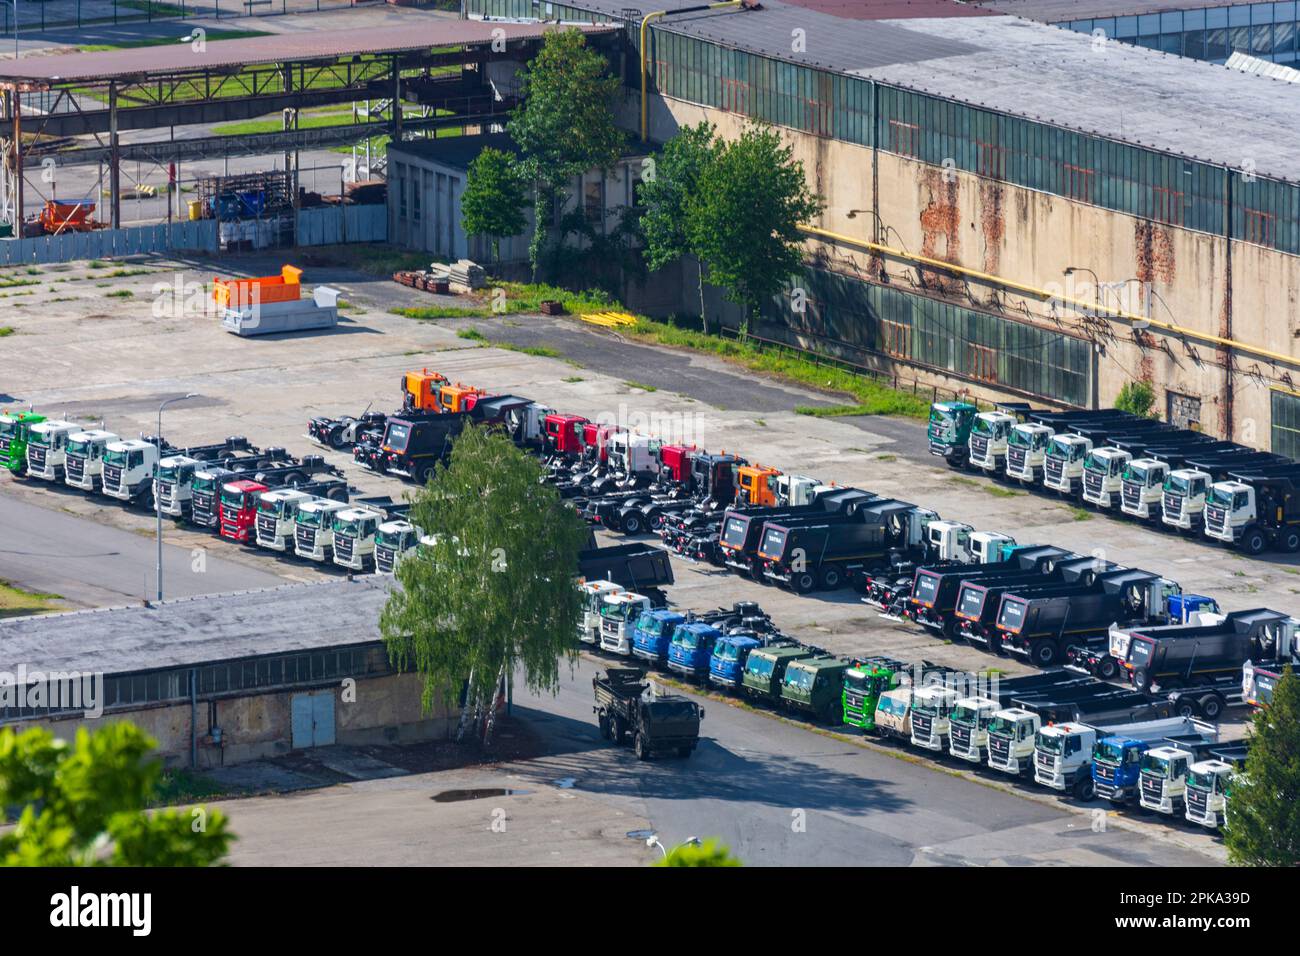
{"x":1030,"y":238}
{"x":386,"y":710}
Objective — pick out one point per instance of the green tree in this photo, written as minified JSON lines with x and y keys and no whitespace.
{"x":708,"y":853}
{"x":492,"y":204}
{"x":1264,"y":806}
{"x":669,"y":192}
{"x":1137,"y":398}
{"x":564,"y":125}
{"x":83,"y":804}
{"x":495,"y":589}
{"x":752,"y":198}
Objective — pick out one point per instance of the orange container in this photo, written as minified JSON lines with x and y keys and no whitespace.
{"x":236,"y":293}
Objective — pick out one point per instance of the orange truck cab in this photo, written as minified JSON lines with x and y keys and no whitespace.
{"x":754,"y":485}
{"x":452,"y":398}
{"x":420,"y":389}
{"x":262,"y":290}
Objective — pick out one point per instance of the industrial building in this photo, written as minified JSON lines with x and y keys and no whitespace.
{"x":222,"y":678}
{"x":1012,"y":208}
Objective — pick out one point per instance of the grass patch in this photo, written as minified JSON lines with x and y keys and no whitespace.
{"x":886,"y":458}
{"x":762,"y":422}
{"x":183,"y":786}
{"x":15,"y":283}
{"x":996,"y":491}
{"x":644,"y":388}
{"x":164,"y":41}
{"x":1080,"y":514}
{"x":6,"y":330}
{"x":522,"y":297}
{"x":120,"y":294}
{"x":96,"y":264}
{"x":571,"y":379}
{"x":17,"y":602}
{"x":539,"y":351}
{"x":441,"y":312}
{"x":276,"y":124}
{"x":474,"y":335}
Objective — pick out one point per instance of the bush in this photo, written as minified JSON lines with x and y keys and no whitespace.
{"x":1137,"y":398}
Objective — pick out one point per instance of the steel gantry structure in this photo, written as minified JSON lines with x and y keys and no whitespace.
{"x":73,"y":108}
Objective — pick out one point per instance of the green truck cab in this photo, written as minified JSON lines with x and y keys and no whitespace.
{"x":765,"y":668}
{"x":815,"y":685}
{"x":949,"y":431}
{"x":863,"y":686}
{"x":15,"y":430}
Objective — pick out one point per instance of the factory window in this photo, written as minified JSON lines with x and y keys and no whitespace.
{"x":817,"y":117}
{"x":662,"y":76}
{"x":895,"y":338}
{"x":1259,"y":227}
{"x":983,"y":363}
{"x":992,"y":160}
{"x":1167,"y":205}
{"x":416,"y":192}
{"x":403,"y":184}
{"x":905,"y":138}
{"x":593,"y":201}
{"x":1076,"y":182}
{"x":1285,"y":437}
{"x":735,"y":96}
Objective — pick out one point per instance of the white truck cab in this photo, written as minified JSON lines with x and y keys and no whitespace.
{"x":1027,"y":451}
{"x":988,"y":440}
{"x":1142,"y":487}
{"x":1182,"y":504}
{"x":631,"y":453}
{"x":277,"y":512}
{"x":128,"y":470}
{"x":593,"y":596}
{"x":354,"y":536}
{"x":1063,"y":758}
{"x":1103,"y":469}
{"x":1063,"y":466}
{"x":1162,"y":781}
{"x":968,"y":727}
{"x":791,"y":490}
{"x":931,"y":707}
{"x":47,"y":448}
{"x":1206,"y":794}
{"x":313,"y":536}
{"x":955,"y":541}
{"x":1011,"y":740}
{"x":1229,"y":510}
{"x":83,"y":466}
{"x":173,"y":484}
{"x":618,"y":616}
{"x":394,"y":541}
{"x":894,"y":713}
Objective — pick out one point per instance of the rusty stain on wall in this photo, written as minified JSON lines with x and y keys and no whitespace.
{"x":993,"y":225}
{"x":940,"y":227}
{"x":1155,"y":253}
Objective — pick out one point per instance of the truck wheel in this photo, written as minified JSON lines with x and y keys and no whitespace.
{"x":1142,"y":680}
{"x":804,"y":582}
{"x":831,"y":578}
{"x":423,"y":474}
{"x":632,"y":523}
{"x":603,"y":721}
{"x":1083,"y":788}
{"x":1107,"y":668}
{"x":1187,"y":707}
{"x":1211,"y":706}
{"x":619,"y":732}
{"x":337,"y":494}
{"x":1254,"y":541}
{"x":642,"y":752}
{"x":336,"y":437}
{"x":295,"y":478}
{"x":1043,"y":653}
{"x":1289,"y":541}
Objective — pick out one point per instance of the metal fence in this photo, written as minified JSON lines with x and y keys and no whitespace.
{"x":326,"y":227}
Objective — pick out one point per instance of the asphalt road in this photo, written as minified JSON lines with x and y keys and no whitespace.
{"x":93,"y":565}
{"x":780,"y":794}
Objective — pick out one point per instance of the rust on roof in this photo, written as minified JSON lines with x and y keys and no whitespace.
{"x":891,"y":9}
{"x":279,"y":48}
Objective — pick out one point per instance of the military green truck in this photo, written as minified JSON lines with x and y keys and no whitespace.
{"x":765,"y":668}
{"x":949,"y":431}
{"x":863,"y":685}
{"x":815,"y":685}
{"x":15,"y":430}
{"x":657,"y":723}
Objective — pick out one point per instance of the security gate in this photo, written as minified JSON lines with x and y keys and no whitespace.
{"x":312,"y":718}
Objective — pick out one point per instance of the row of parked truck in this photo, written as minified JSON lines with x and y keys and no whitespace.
{"x":1130,"y":466}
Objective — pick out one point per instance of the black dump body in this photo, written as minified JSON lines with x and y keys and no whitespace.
{"x":1097,"y":603}
{"x":663,"y":723}
{"x":637,"y":567}
{"x":1048,"y":683}
{"x":742,"y":528}
{"x":1099,"y":704}
{"x":937,"y":585}
{"x":1180,"y":654}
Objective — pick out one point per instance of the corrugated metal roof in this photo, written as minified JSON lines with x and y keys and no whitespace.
{"x":891,"y":9}
{"x":282,"y":47}
{"x":1060,"y":11}
{"x":1245,"y":63}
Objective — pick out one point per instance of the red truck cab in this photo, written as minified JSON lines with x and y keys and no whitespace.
{"x":675,"y":462}
{"x":238,"y":513}
{"x":564,"y":434}
{"x":595,"y":436}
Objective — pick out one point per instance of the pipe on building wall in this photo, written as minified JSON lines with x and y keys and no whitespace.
{"x":1227,"y":344}
{"x":645,"y":35}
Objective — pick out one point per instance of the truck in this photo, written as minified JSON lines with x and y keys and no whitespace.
{"x":643,"y":568}
{"x":948,"y":431}
{"x":978,"y":602}
{"x":863,"y":685}
{"x":1063,"y":751}
{"x":1256,"y":510}
{"x":1162,"y":774}
{"x":1104,"y":662}
{"x":946,"y":543}
{"x":932,"y":706}
{"x":1116,"y":758}
{"x":562,"y":438}
{"x":395,"y":540}
{"x":237,"y":505}
{"x":741,"y":530}
{"x":1041,"y":627}
{"x":1182,"y":505}
{"x":989,"y":433}
{"x":1027,"y":452}
{"x":347,"y":430}
{"x":15,"y":427}
{"x":356,"y":528}
{"x":969,"y":718}
{"x":47,"y":446}
{"x":174,"y":481}
{"x":130,"y":466}
{"x":626,"y":706}
{"x":593,"y":597}
{"x":1209,"y":784}
{"x":619,"y":614}
{"x":824,"y":554}
{"x":1142,"y":483}
{"x":277,"y":512}
{"x":893,"y":716}
{"x":83,"y":466}
{"x":653,"y":634}
{"x":732,"y":650}
{"x":413,"y":447}
{"x":313,"y":528}
{"x":765,"y":670}
{"x":421,"y":390}
{"x":691,"y":648}
{"x":815,"y":686}
{"x":207,"y":482}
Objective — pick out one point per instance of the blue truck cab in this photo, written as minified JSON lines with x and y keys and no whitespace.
{"x":653,"y":633}
{"x":727,"y":662}
{"x":691,"y":648}
{"x":1116,"y":762}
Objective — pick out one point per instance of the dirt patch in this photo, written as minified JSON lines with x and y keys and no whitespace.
{"x":512,"y":740}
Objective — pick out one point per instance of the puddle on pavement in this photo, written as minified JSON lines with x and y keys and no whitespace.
{"x":640,"y":834}
{"x":565,"y":783}
{"x":455,"y":796}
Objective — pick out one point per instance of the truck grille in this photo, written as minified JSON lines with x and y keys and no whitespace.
{"x":4,"y":445}
{"x":1044,"y":763}
{"x":36,"y":457}
{"x":1151,"y":788}
{"x":1092,"y":483}
{"x":265,"y":526}
{"x":112,"y":478}
{"x":342,"y":547}
{"x":960,"y":736}
{"x":75,"y":468}
{"x":1197,"y":801}
{"x":306,"y":538}
{"x":1054,"y":468}
{"x":201,"y":509}
{"x":921,"y":727}
{"x":1215,"y":518}
{"x":1016,"y":458}
{"x":384,"y":558}
{"x":165,"y":494}
{"x":999,"y":748}
{"x":853,"y":699}
{"x":1105,"y":773}
{"x":1132,"y":494}
{"x":979,"y":447}
{"x":1173,"y":505}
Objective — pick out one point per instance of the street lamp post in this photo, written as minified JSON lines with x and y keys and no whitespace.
{"x":653,"y":841}
{"x":157,"y":502}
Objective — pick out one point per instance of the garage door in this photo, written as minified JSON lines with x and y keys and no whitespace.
{"x":313,"y":719}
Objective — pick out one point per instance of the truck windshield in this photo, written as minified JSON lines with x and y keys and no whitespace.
{"x":759,"y":666}
{"x":1203,"y":781}
{"x":799,"y":677}
{"x":1176,"y":484}
{"x":232,"y":499}
{"x":1220,"y":496}
{"x":1002,"y":727}
{"x":271,"y":506}
{"x":1154,"y":765}
{"x":894,"y":706}
{"x":1108,"y":752}
{"x":929,"y":707}
{"x":79,"y":449}
{"x":172,"y":473}
{"x":619,"y":610}
{"x":1020,"y":439}
{"x":688,"y":640}
{"x":985,"y":427}
{"x":1137,"y":474}
{"x":310,"y":519}
{"x":8,"y":429}
{"x":113,"y":457}
{"x":392,"y":539}
{"x":348,"y":527}
{"x":965,"y":715}
{"x":1049,"y":743}
{"x":1096,"y":463}
{"x":200,"y":482}
{"x":726,"y":651}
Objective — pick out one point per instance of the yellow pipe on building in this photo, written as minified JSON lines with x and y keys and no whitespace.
{"x":645,"y":35}
{"x":1044,"y":294}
